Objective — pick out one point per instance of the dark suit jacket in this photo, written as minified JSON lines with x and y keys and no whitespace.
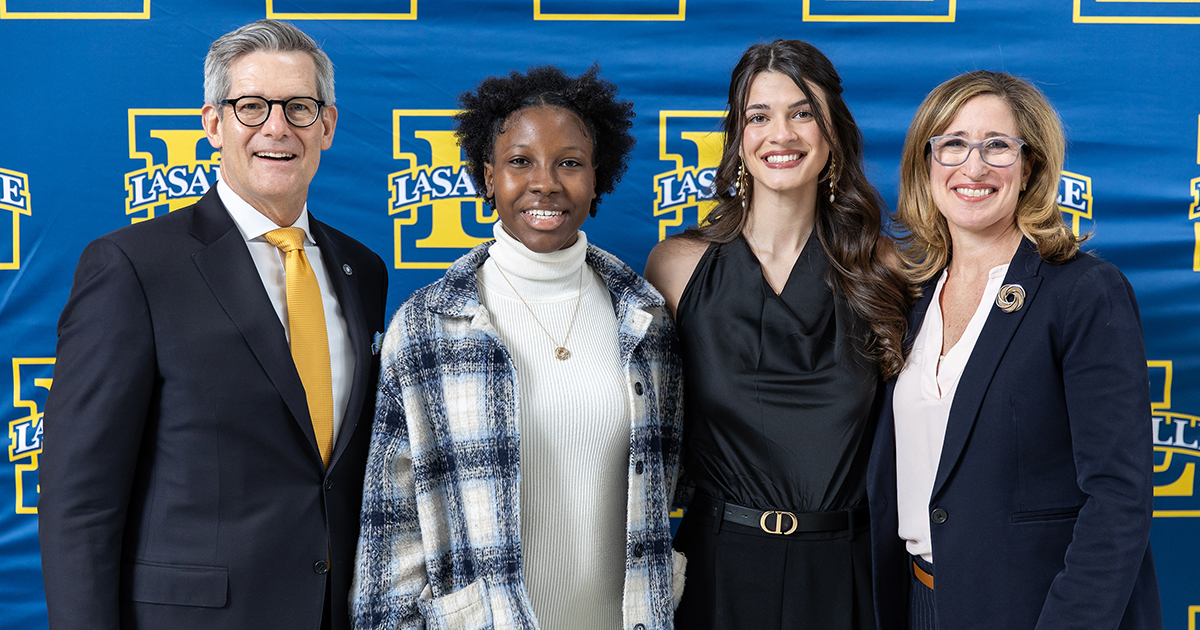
{"x":1045,"y":478}
{"x":181,"y":485}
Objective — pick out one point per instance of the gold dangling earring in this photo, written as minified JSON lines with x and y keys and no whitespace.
{"x":832,"y":180}
{"x":742,"y":183}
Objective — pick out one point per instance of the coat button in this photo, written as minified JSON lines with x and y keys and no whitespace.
{"x":939,"y":516}
{"x":329,"y":484}
{"x":348,"y":270}
{"x":639,"y":467}
{"x":637,"y":388}
{"x":320,"y":567}
{"x":639,"y":550}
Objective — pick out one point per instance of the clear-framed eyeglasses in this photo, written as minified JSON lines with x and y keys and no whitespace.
{"x":954,"y":150}
{"x":253,"y":111}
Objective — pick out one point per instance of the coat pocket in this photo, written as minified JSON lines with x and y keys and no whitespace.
{"x":678,"y":576}
{"x":1043,"y":516}
{"x":175,"y":584}
{"x":468,"y":608}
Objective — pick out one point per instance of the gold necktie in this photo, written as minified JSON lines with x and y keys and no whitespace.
{"x":310,"y":339}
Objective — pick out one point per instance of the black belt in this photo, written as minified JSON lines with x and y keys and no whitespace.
{"x":781,"y":522}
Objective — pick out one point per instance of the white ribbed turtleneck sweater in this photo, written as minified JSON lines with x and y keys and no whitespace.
{"x":574,"y":424}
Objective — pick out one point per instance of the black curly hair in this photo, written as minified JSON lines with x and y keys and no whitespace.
{"x":594,"y":100}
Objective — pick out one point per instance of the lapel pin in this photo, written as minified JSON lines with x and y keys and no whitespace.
{"x":377,"y":344}
{"x":1010,"y":298}
{"x":347,"y":270}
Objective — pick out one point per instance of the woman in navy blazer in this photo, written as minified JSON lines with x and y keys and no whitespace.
{"x":1013,"y":453}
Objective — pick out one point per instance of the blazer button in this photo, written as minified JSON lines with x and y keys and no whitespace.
{"x":320,"y":567}
{"x":639,"y":467}
{"x":637,"y":388}
{"x":939,"y":516}
{"x":329,"y":484}
{"x":639,"y":550}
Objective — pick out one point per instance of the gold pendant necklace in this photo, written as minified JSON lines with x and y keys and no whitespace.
{"x":560,"y":350}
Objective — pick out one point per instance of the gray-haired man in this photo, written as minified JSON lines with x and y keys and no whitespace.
{"x":208,"y":426}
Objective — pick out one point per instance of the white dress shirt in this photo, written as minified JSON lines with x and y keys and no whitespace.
{"x":921,"y":405}
{"x":269,"y":261}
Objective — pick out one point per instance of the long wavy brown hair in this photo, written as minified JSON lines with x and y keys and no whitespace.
{"x":848,"y":228}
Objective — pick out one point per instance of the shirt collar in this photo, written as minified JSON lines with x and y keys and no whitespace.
{"x":250,"y":222}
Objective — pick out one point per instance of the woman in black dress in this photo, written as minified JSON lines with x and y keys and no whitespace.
{"x":789,"y":308}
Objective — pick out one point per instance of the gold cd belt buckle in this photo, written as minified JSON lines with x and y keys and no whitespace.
{"x":779,"y":514}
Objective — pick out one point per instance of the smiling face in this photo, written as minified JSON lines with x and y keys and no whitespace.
{"x":782,"y":145}
{"x":270,"y":166}
{"x":976,"y":198}
{"x":542,"y":177}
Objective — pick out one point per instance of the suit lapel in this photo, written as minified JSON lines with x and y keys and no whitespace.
{"x":989,"y":349}
{"x":345,"y":285}
{"x":226,"y":265}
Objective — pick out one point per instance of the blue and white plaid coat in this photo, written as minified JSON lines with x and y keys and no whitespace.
{"x":441,"y":537}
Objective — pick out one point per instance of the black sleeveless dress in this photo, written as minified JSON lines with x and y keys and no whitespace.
{"x":779,"y":414}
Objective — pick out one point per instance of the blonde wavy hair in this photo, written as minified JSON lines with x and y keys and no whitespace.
{"x":925,"y":240}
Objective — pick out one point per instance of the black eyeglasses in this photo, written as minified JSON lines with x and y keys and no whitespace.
{"x":954,"y":150}
{"x":253,"y":111}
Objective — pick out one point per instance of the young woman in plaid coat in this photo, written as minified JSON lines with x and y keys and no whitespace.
{"x":526,"y":441}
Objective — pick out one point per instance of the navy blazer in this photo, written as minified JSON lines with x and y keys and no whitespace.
{"x":181,"y":484}
{"x":1044,"y":489}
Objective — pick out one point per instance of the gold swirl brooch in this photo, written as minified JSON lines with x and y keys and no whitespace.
{"x":1010,"y":298}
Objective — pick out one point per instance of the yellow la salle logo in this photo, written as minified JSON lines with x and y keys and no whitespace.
{"x":1194,"y":208}
{"x":180,"y":164}
{"x":691,"y":142}
{"x":1176,"y":448}
{"x":31,"y":378}
{"x":437,"y":215}
{"x":14,"y":198}
{"x":1075,"y":198}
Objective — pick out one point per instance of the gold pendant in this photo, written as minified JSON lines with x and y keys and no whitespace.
{"x":561,"y":353}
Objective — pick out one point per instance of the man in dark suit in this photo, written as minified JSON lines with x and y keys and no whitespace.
{"x":214,"y":388}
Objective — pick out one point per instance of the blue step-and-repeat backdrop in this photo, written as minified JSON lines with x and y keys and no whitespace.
{"x":100,"y":127}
